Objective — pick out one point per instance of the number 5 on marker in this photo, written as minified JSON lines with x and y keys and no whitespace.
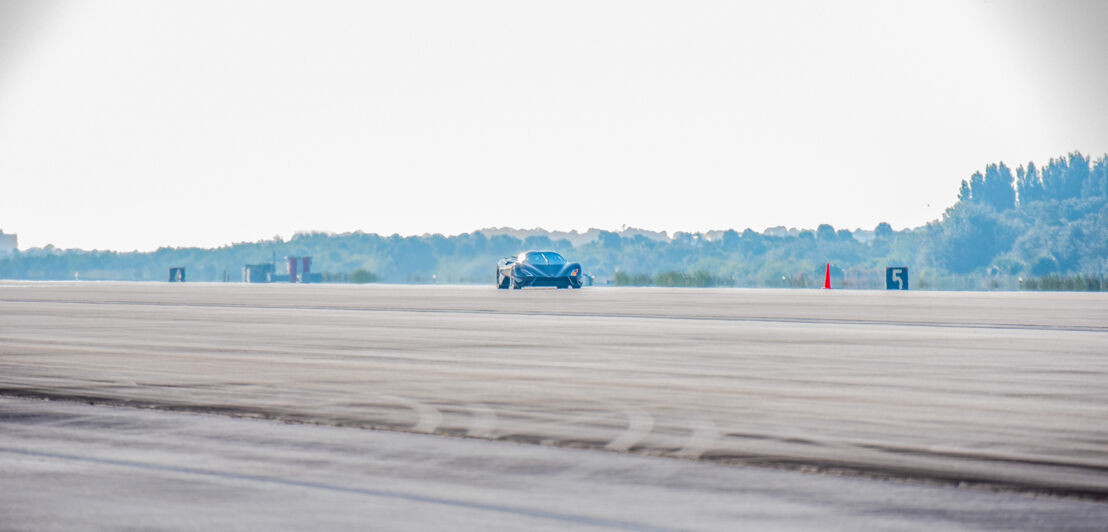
{"x":896,"y":278}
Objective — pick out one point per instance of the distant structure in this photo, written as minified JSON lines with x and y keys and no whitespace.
{"x":300,"y":270}
{"x":8,"y":243}
{"x":258,"y":273}
{"x":177,"y":275}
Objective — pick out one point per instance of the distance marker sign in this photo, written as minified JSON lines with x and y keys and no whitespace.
{"x":896,"y":278}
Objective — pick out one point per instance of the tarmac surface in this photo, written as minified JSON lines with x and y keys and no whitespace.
{"x":898,"y":398}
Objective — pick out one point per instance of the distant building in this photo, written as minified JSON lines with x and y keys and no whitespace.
{"x":300,"y":270}
{"x":8,"y":243}
{"x":258,"y":273}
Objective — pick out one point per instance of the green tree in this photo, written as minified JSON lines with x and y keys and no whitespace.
{"x":977,"y":188}
{"x":884,"y":230}
{"x":362,"y":275}
{"x":1000,"y":192}
{"x":1029,"y":184}
{"x":969,"y":236}
{"x":1096,"y":183}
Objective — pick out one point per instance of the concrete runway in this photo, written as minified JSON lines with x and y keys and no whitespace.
{"x":1004,"y":391}
{"x":72,"y":466}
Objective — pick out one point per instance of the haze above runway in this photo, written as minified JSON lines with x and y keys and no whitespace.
{"x":1001,"y":390}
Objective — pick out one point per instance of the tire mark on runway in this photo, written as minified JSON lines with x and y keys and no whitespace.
{"x":554,"y":424}
{"x":429,"y":417}
{"x":703,"y":439}
{"x":577,"y":520}
{"x":639,"y":425}
{"x":484,"y":422}
{"x":704,"y":436}
{"x":734,"y":319}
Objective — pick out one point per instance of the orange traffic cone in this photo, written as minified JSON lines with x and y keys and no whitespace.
{"x":827,"y":278}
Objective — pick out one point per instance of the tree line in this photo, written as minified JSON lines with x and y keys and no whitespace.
{"x":1032,"y":227}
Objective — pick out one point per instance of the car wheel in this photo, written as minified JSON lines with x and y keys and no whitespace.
{"x":512,"y":283}
{"x":501,"y":282}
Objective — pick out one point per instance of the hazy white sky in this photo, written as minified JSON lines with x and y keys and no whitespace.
{"x":137,"y":124}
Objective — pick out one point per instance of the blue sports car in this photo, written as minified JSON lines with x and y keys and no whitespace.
{"x":537,"y":268}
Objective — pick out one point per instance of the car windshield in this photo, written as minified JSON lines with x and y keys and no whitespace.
{"x":543,"y":257}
